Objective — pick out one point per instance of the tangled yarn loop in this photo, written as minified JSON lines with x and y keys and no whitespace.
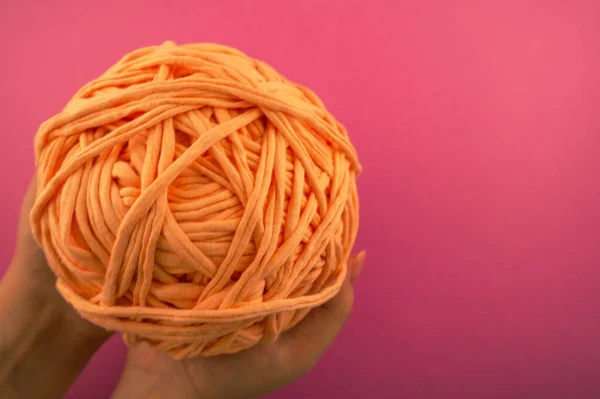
{"x":193,"y":198}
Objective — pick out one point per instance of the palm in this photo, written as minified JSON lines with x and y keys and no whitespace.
{"x":204,"y":377}
{"x":247,"y":374}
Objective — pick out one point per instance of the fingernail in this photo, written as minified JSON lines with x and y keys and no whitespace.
{"x":349,"y":267}
{"x":358,"y":263}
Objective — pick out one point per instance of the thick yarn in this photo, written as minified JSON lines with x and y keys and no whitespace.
{"x":193,"y":198}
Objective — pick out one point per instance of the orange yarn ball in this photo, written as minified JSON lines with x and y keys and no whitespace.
{"x":193,"y":198}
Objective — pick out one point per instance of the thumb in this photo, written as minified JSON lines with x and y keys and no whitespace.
{"x":303,"y":345}
{"x":25,"y":240}
{"x":355,"y":265}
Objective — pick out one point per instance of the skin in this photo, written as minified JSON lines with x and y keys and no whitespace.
{"x":39,"y":330}
{"x":151,"y":374}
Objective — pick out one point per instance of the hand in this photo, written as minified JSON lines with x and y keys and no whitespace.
{"x":29,"y":273}
{"x":247,"y":374}
{"x":38,"y":329}
{"x":28,"y":268}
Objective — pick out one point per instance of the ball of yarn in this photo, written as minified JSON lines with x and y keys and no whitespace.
{"x":193,"y":198}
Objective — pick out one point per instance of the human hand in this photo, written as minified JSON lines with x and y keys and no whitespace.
{"x":38,"y":328}
{"x":29,"y":273}
{"x":28,"y":266}
{"x":251,"y":373}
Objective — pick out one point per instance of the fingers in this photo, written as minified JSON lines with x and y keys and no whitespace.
{"x":27,"y":204}
{"x":29,"y":258}
{"x":305,"y":343}
{"x":29,"y":198}
{"x":358,"y":262}
{"x":26,"y":242}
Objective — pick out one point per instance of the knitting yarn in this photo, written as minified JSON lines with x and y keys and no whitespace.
{"x":193,"y":198}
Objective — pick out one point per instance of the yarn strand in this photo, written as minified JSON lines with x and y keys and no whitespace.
{"x":194,"y":199}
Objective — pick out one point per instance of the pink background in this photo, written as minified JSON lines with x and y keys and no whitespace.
{"x":478,"y":125}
